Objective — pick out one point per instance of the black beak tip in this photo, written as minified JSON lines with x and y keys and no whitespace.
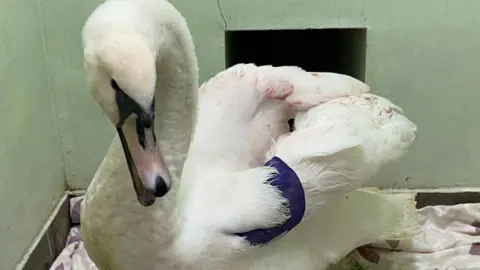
{"x":161,"y":188}
{"x":146,"y":200}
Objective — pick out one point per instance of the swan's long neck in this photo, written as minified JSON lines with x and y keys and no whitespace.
{"x":176,"y":100}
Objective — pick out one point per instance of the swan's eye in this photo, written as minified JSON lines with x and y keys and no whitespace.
{"x":145,"y":120}
{"x":126,"y":105}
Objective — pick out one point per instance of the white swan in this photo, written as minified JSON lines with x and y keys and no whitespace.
{"x":139,"y":53}
{"x":342,"y":138}
{"x":141,"y":68}
{"x":140,"y":49}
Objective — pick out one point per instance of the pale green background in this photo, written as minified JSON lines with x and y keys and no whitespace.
{"x":423,"y":55}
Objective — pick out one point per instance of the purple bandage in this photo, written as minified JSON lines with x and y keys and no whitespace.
{"x":288,"y":182}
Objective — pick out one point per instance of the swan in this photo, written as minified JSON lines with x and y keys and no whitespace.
{"x":142,"y":71}
{"x":343,"y":135}
{"x":141,"y":68}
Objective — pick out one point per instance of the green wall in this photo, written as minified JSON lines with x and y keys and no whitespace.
{"x":420,"y":54}
{"x":85,"y":132}
{"x":31,"y":171}
{"x":423,"y":55}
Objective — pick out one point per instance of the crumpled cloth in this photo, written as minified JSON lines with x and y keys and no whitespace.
{"x":449,"y":240}
{"x":74,"y":256}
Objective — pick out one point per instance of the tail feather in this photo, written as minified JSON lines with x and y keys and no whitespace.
{"x":344,"y":223}
{"x":367,"y":216}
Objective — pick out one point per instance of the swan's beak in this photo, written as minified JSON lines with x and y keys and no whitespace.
{"x":146,"y":164}
{"x":149,"y":172}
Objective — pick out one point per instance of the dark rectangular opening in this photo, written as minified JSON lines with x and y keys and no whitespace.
{"x":315,"y":50}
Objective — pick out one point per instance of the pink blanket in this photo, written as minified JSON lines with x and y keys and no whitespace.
{"x":449,"y":240}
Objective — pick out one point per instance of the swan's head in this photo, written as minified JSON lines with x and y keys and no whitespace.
{"x":122,"y":77}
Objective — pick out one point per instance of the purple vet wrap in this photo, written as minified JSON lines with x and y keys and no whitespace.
{"x":288,"y":182}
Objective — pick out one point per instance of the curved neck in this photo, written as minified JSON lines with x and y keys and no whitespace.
{"x":176,"y":102}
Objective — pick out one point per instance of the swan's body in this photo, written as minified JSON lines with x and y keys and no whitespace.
{"x":146,"y":48}
{"x":119,"y":233}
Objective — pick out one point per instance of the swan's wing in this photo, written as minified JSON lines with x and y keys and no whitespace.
{"x":297,"y":87}
{"x":341,"y":144}
{"x":326,"y":158}
{"x":243,"y":108}
{"x":240,"y":113}
{"x":218,"y":207}
{"x":244,"y":86}
{"x":229,"y":104}
{"x":386,"y":131}
{"x":308,"y":88}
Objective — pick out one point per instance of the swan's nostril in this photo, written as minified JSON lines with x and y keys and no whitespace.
{"x":161,"y":188}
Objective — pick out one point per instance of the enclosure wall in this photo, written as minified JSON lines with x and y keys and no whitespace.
{"x":32,"y":176}
{"x":422,"y":55}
